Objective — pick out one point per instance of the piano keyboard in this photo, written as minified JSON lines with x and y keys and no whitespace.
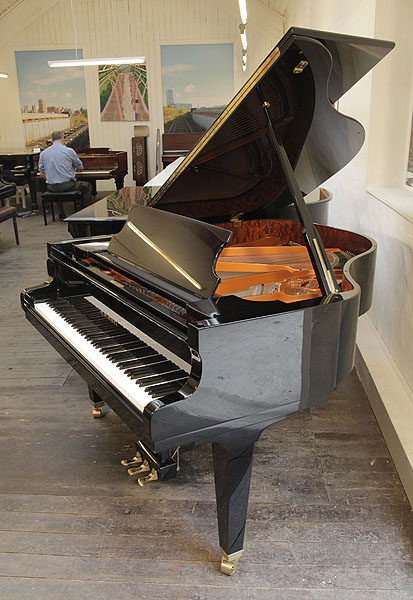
{"x":116,"y":349}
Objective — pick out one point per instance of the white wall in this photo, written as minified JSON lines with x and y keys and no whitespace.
{"x":381,"y":101}
{"x":139,"y":27}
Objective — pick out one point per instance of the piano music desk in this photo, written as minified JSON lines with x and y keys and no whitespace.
{"x":106,"y":216}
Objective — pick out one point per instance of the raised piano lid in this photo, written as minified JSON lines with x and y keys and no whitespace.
{"x":234,"y":168}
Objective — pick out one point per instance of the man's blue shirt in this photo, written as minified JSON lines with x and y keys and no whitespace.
{"x":59,"y":162}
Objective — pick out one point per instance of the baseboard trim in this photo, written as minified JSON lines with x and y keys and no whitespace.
{"x":390,"y":398}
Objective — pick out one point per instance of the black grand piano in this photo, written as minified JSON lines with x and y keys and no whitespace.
{"x":205,"y":320}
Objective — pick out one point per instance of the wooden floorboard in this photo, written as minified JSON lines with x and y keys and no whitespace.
{"x":328,"y":518}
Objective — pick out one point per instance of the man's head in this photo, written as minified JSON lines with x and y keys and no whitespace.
{"x":57,"y":136}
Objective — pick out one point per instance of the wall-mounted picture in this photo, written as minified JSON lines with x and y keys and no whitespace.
{"x":52,"y":99}
{"x":123,"y":93}
{"x":197,"y":83}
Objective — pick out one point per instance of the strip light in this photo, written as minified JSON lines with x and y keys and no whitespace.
{"x":88,"y":62}
{"x":3,"y":75}
{"x":243,"y":10}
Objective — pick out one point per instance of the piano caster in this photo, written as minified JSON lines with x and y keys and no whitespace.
{"x":136,"y":460}
{"x":143,"y":468}
{"x":98,"y":412}
{"x":99,"y":408}
{"x":229,"y":562}
{"x":152,"y":476}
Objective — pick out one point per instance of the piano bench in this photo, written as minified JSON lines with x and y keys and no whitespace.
{"x":9,"y":212}
{"x":74,"y":196}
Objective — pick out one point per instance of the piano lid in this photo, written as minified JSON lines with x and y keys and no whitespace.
{"x":179,"y":250}
{"x":234,"y":168}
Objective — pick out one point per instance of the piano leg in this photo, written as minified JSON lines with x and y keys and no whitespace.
{"x":232,"y":470}
{"x":99,"y":408}
{"x":119,"y":182}
{"x":33,"y":195}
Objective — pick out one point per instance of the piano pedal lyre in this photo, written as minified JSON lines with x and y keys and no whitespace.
{"x":152,"y":466}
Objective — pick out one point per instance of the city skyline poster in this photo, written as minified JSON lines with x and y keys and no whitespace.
{"x":196,"y":78}
{"x":51,"y":99}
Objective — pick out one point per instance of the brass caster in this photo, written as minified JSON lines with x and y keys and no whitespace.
{"x":229,"y":562}
{"x":143,"y":468}
{"x":97,"y":413}
{"x":99,"y":409}
{"x":136,"y":460}
{"x":152,"y":476}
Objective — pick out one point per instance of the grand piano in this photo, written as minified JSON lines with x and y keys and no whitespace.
{"x":204,"y":320}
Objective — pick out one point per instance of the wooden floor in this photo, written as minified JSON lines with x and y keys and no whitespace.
{"x":328,"y":518}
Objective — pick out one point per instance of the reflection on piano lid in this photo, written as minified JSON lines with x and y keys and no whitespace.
{"x":227,"y":321}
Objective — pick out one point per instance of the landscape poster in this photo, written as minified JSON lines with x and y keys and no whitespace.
{"x":51,"y":98}
{"x":197,"y":83}
{"x":123,"y":91}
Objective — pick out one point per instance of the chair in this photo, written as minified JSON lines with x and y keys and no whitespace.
{"x":9,"y":212}
{"x":6,"y":189}
{"x":74,"y":196}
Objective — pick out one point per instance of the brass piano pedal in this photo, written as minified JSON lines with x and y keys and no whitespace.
{"x":136,"y":460}
{"x":152,"y":476}
{"x":143,"y":468}
{"x":229,"y":561}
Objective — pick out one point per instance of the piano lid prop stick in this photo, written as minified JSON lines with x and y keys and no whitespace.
{"x":322,"y":267}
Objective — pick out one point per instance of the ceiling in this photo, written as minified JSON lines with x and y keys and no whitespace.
{"x":6,"y":5}
{"x":278,"y":6}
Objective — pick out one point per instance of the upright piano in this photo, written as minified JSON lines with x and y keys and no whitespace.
{"x":99,"y":164}
{"x":204,"y":320}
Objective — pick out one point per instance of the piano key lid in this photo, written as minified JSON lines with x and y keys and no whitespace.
{"x":234,"y":168}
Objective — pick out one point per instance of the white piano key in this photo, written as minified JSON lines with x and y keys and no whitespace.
{"x":117,"y":377}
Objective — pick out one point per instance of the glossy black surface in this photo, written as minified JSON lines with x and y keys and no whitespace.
{"x":179,"y":250}
{"x":233,"y":169}
{"x":106,"y":216}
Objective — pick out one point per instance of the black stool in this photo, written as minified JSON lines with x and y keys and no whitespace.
{"x":74,"y":196}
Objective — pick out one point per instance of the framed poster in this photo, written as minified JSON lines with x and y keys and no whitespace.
{"x":197,"y":84}
{"x":123,"y":91}
{"x":51,"y":99}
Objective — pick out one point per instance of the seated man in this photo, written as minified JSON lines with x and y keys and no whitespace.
{"x":58,"y":164}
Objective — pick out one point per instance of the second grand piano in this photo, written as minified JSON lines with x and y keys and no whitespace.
{"x":198,"y":332}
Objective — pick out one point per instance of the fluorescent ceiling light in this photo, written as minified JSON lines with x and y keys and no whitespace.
{"x":87,"y":62}
{"x":243,"y":10}
{"x":4,"y":75}
{"x":244,"y":40}
{"x":244,"y":67}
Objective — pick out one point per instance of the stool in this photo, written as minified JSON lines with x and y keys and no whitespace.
{"x":74,"y":196}
{"x":9,"y":212}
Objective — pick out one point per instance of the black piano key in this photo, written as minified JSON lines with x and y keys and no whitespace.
{"x":139,"y":371}
{"x":116,"y":354}
{"x":111,"y":343}
{"x":158,"y":391}
{"x":139,"y":353}
{"x":148,"y":360}
{"x":165,"y":378}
